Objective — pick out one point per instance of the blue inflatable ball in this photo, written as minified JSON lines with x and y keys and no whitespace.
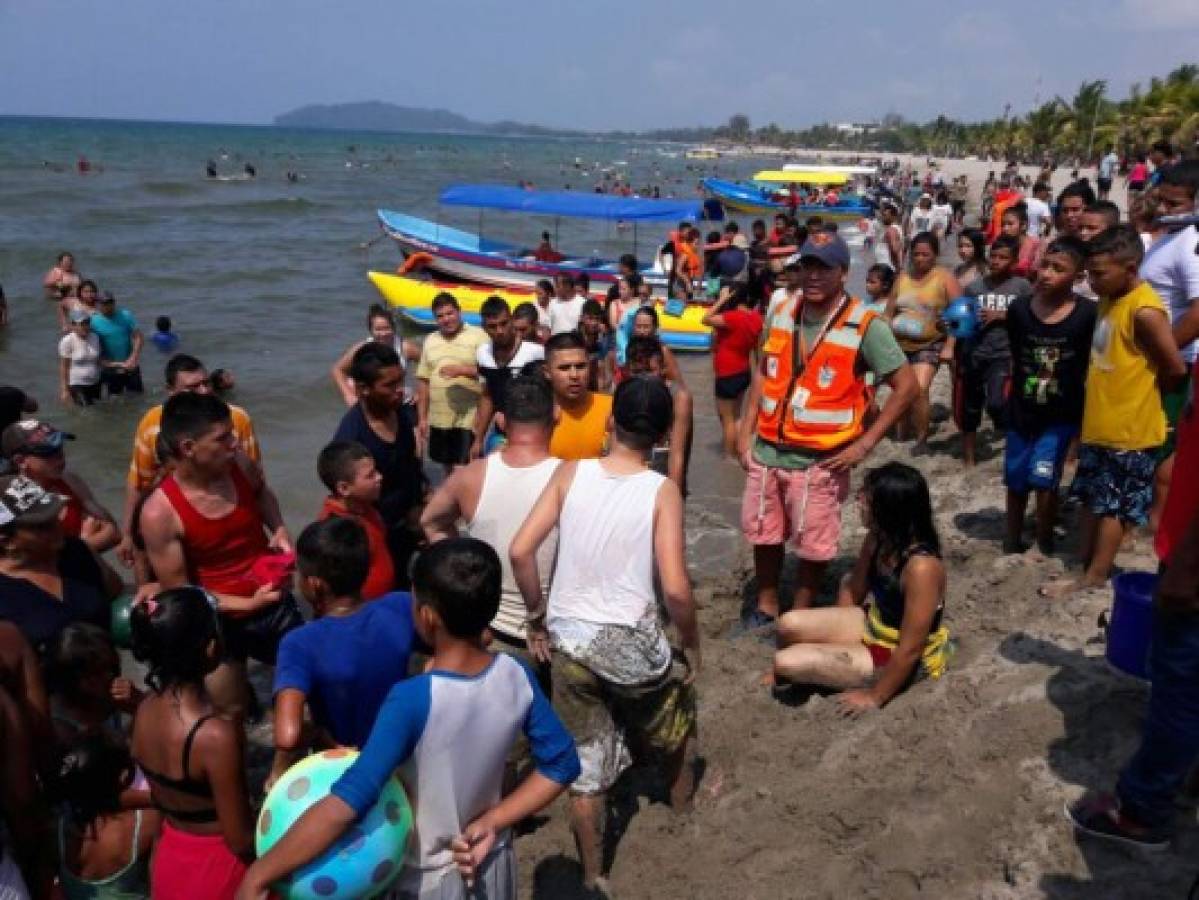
{"x":365,"y":861}
{"x":961,"y":318}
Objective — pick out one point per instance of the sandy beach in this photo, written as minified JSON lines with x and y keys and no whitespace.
{"x":956,"y":789}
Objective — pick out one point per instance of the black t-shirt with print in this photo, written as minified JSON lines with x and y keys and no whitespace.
{"x":1049,"y":366}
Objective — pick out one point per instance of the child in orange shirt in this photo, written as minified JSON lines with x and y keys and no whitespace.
{"x":348,"y":470}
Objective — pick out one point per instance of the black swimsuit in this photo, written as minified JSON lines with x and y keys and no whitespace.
{"x":185,"y":785}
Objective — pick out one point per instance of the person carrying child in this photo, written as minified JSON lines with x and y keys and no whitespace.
{"x":983,"y":363}
{"x":449,"y":731}
{"x":615,"y":676}
{"x":354,"y":482}
{"x":1050,"y":337}
{"x":192,"y":757}
{"x":873,"y":651}
{"x":1133,"y":359}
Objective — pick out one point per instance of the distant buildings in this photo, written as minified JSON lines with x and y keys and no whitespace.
{"x":855,"y":128}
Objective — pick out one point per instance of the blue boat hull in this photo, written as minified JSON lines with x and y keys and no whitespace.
{"x":469,"y":257}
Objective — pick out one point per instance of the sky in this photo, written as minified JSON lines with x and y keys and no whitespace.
{"x":618,"y":64}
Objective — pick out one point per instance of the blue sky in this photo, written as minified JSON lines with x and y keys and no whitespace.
{"x":613,"y":64}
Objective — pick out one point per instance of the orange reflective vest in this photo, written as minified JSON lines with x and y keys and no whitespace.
{"x":819,"y":404}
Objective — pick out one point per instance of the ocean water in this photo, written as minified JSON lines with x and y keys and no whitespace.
{"x":267,"y":278}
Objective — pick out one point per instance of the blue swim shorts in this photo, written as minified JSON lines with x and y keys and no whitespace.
{"x":1116,"y":484}
{"x":1033,"y":462}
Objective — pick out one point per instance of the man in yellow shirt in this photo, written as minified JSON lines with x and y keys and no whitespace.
{"x":448,"y":390}
{"x":582,"y":428}
{"x":184,"y":374}
{"x":1133,"y":360}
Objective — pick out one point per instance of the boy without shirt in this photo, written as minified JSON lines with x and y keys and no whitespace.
{"x":1133,"y":359}
{"x":1050,"y":336}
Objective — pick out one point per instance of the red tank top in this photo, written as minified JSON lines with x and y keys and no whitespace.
{"x":221,"y":552}
{"x":72,"y":511}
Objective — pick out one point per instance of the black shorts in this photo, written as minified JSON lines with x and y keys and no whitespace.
{"x":85,"y":394}
{"x":730,"y":387}
{"x":450,"y":446}
{"x":257,"y":636}
{"x":120,"y":380}
{"x":981,"y":383}
{"x":1105,"y":184}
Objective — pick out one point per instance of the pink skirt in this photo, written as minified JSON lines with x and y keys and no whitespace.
{"x":193,"y":867}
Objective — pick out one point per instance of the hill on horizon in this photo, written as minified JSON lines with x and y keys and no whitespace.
{"x":377,"y":115}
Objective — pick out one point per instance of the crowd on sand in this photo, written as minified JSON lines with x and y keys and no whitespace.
{"x":527,"y":627}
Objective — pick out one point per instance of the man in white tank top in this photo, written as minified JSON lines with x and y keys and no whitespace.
{"x":493,"y":495}
{"x":617,"y":684}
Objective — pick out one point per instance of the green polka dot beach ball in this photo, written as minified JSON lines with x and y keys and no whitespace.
{"x":365,"y":860}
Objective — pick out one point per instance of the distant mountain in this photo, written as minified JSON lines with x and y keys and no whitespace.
{"x":375,"y":115}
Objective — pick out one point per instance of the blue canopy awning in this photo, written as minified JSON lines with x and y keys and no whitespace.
{"x":571,"y":203}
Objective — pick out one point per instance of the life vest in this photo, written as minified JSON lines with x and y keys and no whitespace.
{"x":819,"y":406}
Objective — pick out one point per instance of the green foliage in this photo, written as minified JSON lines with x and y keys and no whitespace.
{"x":1082,"y":126}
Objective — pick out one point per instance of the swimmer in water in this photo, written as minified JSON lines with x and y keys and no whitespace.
{"x":250,"y":171}
{"x":210,"y":169}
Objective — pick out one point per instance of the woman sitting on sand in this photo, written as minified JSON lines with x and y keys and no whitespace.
{"x":872,"y":651}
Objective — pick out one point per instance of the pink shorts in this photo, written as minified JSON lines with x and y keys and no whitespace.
{"x":803,"y":506}
{"x":190,"y":866}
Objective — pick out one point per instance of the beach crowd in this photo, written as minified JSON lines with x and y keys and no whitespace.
{"x":493,"y":598}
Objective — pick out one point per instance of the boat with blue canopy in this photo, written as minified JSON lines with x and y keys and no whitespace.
{"x":469,"y":256}
{"x":762,"y":201}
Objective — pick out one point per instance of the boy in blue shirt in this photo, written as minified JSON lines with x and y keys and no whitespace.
{"x":449,"y":731}
{"x":164,"y":339}
{"x":344,"y":662}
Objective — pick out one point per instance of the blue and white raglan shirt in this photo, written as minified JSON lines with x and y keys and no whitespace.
{"x":450,"y":736}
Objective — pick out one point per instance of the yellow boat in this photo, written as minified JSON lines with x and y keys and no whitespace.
{"x":800,"y":176}
{"x":413,"y":299}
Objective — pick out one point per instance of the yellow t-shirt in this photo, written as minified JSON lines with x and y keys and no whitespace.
{"x":1123,"y":407}
{"x":582,"y":435}
{"x":452,"y":401}
{"x":918,"y":306}
{"x":145,"y":464}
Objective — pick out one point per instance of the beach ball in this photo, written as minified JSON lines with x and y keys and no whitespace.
{"x":365,"y":860}
{"x":118,"y":625}
{"x":961,"y":318}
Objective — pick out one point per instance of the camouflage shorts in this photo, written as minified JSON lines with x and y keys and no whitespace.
{"x":612,"y":724}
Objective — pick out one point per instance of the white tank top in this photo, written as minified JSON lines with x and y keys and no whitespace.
{"x":605,"y":571}
{"x":507,"y":496}
{"x":882,"y":253}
